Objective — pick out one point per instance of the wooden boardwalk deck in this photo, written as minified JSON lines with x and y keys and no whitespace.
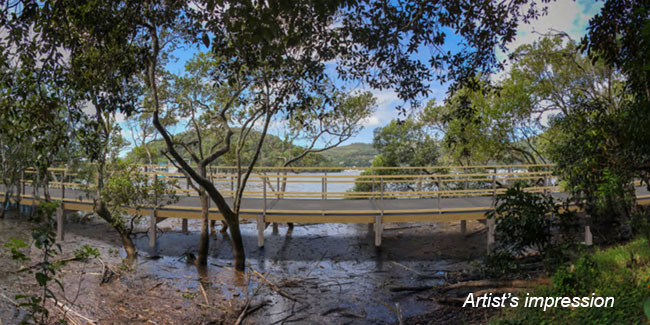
{"x":368,"y":211}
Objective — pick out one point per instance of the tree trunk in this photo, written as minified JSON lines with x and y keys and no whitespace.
{"x":5,"y":203}
{"x":129,"y":247}
{"x":204,"y":242}
{"x":127,"y":242}
{"x":101,"y":210}
{"x":238,"y":253}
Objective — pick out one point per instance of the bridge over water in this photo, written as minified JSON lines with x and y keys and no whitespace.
{"x":315,"y":195}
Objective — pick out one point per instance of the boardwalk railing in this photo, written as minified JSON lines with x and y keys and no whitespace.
{"x":322,"y":194}
{"x":338,"y":182}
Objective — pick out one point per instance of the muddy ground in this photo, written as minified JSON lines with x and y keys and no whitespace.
{"x":326,"y":274}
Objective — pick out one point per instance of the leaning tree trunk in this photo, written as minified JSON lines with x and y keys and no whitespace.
{"x":239,"y":255}
{"x":102,"y":211}
{"x":125,"y":235}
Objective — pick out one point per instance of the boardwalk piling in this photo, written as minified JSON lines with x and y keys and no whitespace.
{"x":589,"y":240}
{"x":490,"y":233}
{"x":60,"y":220}
{"x":152,"y":228}
{"x":260,"y":230}
{"x":378,"y":230}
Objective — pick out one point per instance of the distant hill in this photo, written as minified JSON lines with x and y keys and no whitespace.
{"x":355,"y":154}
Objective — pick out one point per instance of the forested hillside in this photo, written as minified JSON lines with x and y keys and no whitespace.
{"x":351,"y":155}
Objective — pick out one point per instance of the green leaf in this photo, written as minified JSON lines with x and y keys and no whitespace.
{"x":42,"y":279}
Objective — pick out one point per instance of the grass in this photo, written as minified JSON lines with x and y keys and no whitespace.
{"x":622,"y":272}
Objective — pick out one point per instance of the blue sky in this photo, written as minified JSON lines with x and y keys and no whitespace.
{"x":567,"y":16}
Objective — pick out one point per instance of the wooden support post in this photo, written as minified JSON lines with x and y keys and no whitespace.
{"x":491,"y":225}
{"x":379,"y":228}
{"x":463,"y":227}
{"x":589,"y":240}
{"x":184,"y":226}
{"x":260,"y":230}
{"x":152,"y":228}
{"x":60,"y":221}
{"x":232,"y":185}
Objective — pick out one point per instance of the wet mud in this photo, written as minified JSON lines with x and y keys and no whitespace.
{"x":313,"y":274}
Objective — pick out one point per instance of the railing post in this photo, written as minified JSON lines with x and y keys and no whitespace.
{"x":372,"y":172}
{"x":62,"y":190}
{"x":420,"y":183}
{"x":491,"y":222}
{"x":232,"y":185}
{"x":261,"y":219}
{"x":379,"y":227}
{"x":509,"y":176}
{"x":466,"y":185}
{"x":439,"y":194}
{"x":324,"y":187}
{"x":494,"y":186}
{"x":546,"y":191}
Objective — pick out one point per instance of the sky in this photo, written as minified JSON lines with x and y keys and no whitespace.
{"x":571,"y":17}
{"x":563,"y":15}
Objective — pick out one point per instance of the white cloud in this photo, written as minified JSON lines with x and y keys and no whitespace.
{"x":567,"y":16}
{"x":571,"y":17}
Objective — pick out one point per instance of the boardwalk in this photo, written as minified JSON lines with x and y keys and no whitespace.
{"x":378,"y":207}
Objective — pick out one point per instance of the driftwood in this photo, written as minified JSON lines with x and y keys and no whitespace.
{"x":272,"y":284}
{"x":249,"y":310}
{"x":9,"y":299}
{"x":67,"y":309}
{"x":205,"y":295}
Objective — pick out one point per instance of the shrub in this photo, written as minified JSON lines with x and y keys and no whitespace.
{"x":530,"y":220}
